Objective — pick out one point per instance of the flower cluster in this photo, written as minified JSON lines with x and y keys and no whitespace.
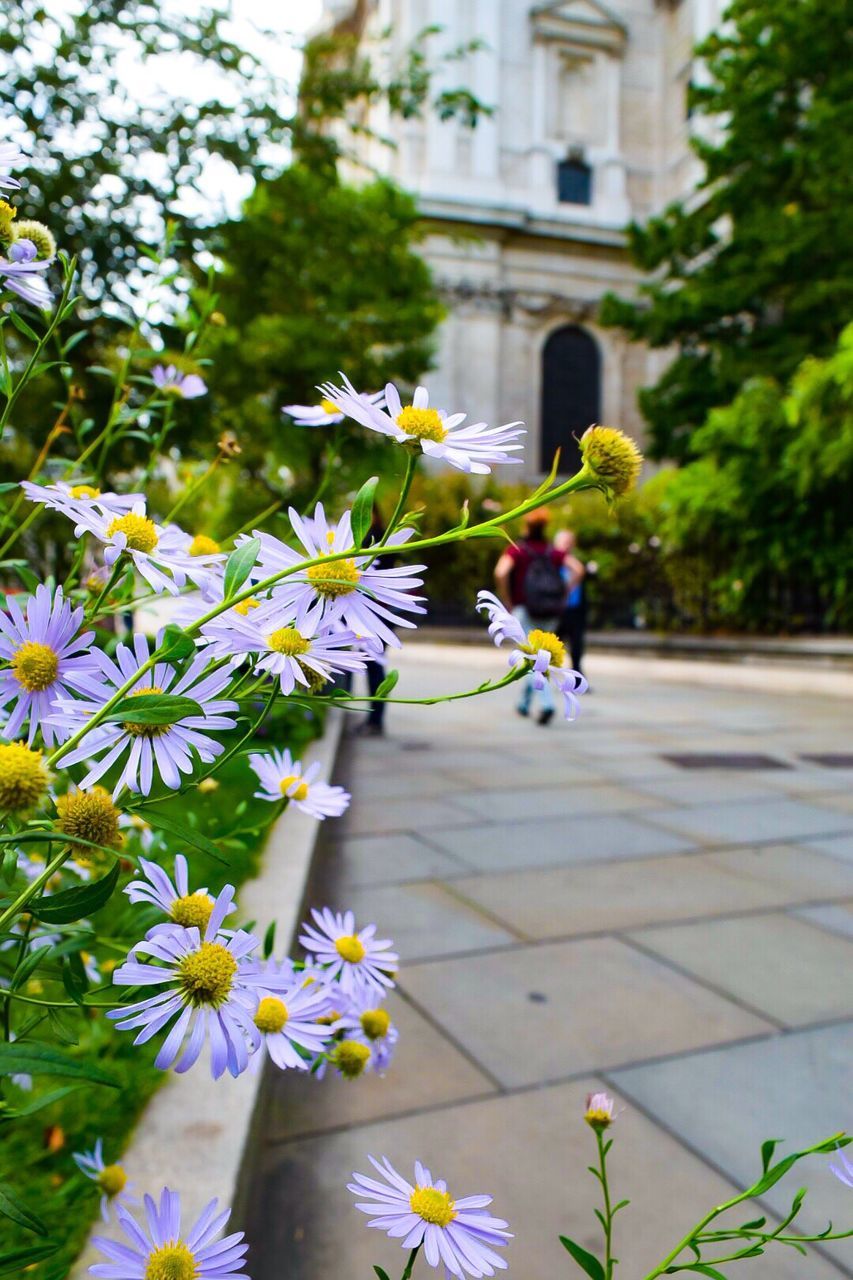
{"x":27,"y":248}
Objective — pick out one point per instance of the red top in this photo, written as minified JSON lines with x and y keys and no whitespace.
{"x":522,"y":555}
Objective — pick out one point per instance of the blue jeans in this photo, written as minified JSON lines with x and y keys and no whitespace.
{"x":528,"y":690}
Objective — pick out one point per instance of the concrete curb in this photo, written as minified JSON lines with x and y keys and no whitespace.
{"x":195,"y":1131}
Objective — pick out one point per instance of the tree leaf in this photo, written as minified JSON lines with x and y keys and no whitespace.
{"x":74,"y":904}
{"x":239,"y":565}
{"x":585,"y":1260}
{"x":362,"y":510}
{"x":387,"y":684}
{"x":155,"y":708}
{"x":32,"y":1058}
{"x":176,"y":644}
{"x":11,"y":1206}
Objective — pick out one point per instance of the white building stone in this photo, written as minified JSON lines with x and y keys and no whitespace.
{"x":593,"y":91}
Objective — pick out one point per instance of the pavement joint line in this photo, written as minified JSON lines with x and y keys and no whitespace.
{"x":473,"y":905}
{"x":706,"y":1160}
{"x":447,"y":1035}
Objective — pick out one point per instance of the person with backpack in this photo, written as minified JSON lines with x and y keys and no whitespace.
{"x":533,"y":579}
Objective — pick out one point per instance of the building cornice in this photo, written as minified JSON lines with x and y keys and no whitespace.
{"x":579,"y":25}
{"x":512,"y":218}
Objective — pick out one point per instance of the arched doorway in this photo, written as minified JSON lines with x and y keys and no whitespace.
{"x":571,"y":394}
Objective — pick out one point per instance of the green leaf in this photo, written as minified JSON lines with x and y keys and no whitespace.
{"x":74,"y":977}
{"x":10,"y":864}
{"x":14,"y":1263}
{"x":388,"y":684}
{"x":767,"y":1150}
{"x":35,"y":1059}
{"x":155,"y":708}
{"x":383,"y":1275}
{"x":11,"y":1206}
{"x":585,"y":1260}
{"x":175,"y":644}
{"x":40,"y":1103}
{"x":362,"y":510}
{"x":269,"y":940}
{"x":186,"y":834}
{"x":20,"y":323}
{"x":9,"y":485}
{"x":82,"y":900}
{"x":239,"y":565}
{"x":704,"y":1269}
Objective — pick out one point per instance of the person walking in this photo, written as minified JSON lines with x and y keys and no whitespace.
{"x":529,"y":578}
{"x":571,"y":627}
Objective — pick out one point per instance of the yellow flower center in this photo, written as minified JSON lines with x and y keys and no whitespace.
{"x":329,"y":406}
{"x":598,"y":1117}
{"x":350,"y":1058}
{"x":301,"y":791}
{"x":432,"y":1205}
{"x":172,"y":1261}
{"x":338,"y":578}
{"x":289,"y":641}
{"x":35,"y":666}
{"x":141,"y":533}
{"x":89,"y":815}
{"x":201,"y":545}
{"x":375,"y":1023}
{"x":206,"y":975}
{"x":350,"y":948}
{"x":23,"y":777}
{"x":112,"y":1179}
{"x":192,"y":911}
{"x":139,"y":730}
{"x":84,"y":491}
{"x":270,"y":1015}
{"x":422,"y":424}
{"x":612,"y":457}
{"x":537,"y":640}
{"x":245,"y":605}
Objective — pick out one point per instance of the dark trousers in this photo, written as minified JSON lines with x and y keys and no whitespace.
{"x":572,"y":630}
{"x":375,"y":675}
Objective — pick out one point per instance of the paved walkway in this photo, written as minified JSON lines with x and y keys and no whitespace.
{"x":574,"y":910}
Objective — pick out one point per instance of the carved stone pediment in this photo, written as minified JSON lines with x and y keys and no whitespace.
{"x":579,"y":24}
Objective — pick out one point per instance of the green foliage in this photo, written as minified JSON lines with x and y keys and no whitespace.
{"x":757,"y":273}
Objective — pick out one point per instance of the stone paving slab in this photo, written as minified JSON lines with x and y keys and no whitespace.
{"x":564,"y":901}
{"x":384,"y":859}
{"x":424,"y":920}
{"x":554,"y":802}
{"x":776,"y":819}
{"x":783,"y":968}
{"x":836,"y":918}
{"x":834,"y":846}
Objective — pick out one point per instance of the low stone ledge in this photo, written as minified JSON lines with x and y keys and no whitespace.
{"x":194,"y":1133}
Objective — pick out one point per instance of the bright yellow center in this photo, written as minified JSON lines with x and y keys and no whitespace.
{"x":35,"y":666}
{"x":432,"y":1205}
{"x":289,"y":641}
{"x":145,"y":730}
{"x":338,"y":578}
{"x":172,"y":1261}
{"x":192,"y":911}
{"x":422,"y":424}
{"x":206,"y":975}
{"x":245,"y":605}
{"x":84,"y":491}
{"x":599,"y":1117}
{"x":112,"y":1179}
{"x":301,"y":791}
{"x":23,"y":777}
{"x":270,"y":1015}
{"x":350,"y":948}
{"x":141,"y":533}
{"x":375,"y":1023}
{"x":329,"y":406}
{"x":537,"y":640}
{"x":89,"y":815}
{"x":201,"y":545}
{"x":350,"y":1058}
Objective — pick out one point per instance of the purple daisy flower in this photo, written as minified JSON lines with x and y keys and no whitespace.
{"x":325,"y":414}
{"x":352,"y":591}
{"x":161,"y":555}
{"x":186,"y":386}
{"x":456,"y":1233}
{"x":26,"y":280}
{"x":542,"y":651}
{"x":11,"y":157}
{"x":283,"y":1021}
{"x":282,"y":776}
{"x":183,"y":906}
{"x":168,"y":749}
{"x":110,"y":1178}
{"x":369,"y":1024}
{"x":356,"y":959}
{"x":474,"y":449}
{"x":159,"y":1247}
{"x":70,"y":499}
{"x":47,"y":658}
{"x":844,"y":1170}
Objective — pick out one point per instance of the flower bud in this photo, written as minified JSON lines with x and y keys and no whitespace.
{"x":41,"y":236}
{"x":612,"y":458}
{"x":599,"y":1113}
{"x":23,"y":777}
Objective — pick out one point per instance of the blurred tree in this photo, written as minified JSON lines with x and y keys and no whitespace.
{"x":756,"y":273}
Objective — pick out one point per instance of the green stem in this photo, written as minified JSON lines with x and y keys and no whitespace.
{"x":517,"y":673}
{"x":256,"y":520}
{"x":192,"y":489}
{"x":411,"y":467}
{"x":117,"y":572}
{"x":40,"y":345}
{"x":608,"y":1210}
{"x":410,"y":1264}
{"x":17,"y":906}
{"x":21,"y":528}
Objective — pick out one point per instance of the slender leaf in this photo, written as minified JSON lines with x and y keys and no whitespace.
{"x":187,"y":834}
{"x":767,"y":1150}
{"x":35,"y":1059}
{"x":176,"y":644}
{"x":585,"y":1260}
{"x":40,"y":1103}
{"x":16,"y":1262}
{"x":11,"y":1206}
{"x":383,"y":1275}
{"x":155,"y":708}
{"x":74,"y":904}
{"x":388,"y":684}
{"x":20,"y":323}
{"x":269,"y":940}
{"x":362,"y":510}
{"x":239,"y":565}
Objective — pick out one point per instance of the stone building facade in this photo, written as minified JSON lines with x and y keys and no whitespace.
{"x":527,"y":211}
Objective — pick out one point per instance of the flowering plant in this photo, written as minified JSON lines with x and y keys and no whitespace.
{"x":105,"y":730}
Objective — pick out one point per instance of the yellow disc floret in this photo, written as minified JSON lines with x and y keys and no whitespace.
{"x":433,"y":1205}
{"x":192,"y":911}
{"x":289,"y":641}
{"x":245,"y":605}
{"x":301,"y":792}
{"x":89,"y":815}
{"x":41,"y":236}
{"x":172,"y":1261}
{"x":375,"y":1023}
{"x":329,"y":406}
{"x":141,"y":533}
{"x":337,"y":578}
{"x":84,"y":491}
{"x":35,"y":666}
{"x":350,"y":948}
{"x":270,"y":1015}
{"x":112,"y":1179}
{"x":612,"y":457}
{"x":206,"y":975}
{"x":201,"y":545}
{"x":23,"y":777}
{"x":351,"y":1057}
{"x":421,"y":424}
{"x":546,"y":640}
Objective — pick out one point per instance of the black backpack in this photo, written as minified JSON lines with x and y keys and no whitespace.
{"x":544,"y":589}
